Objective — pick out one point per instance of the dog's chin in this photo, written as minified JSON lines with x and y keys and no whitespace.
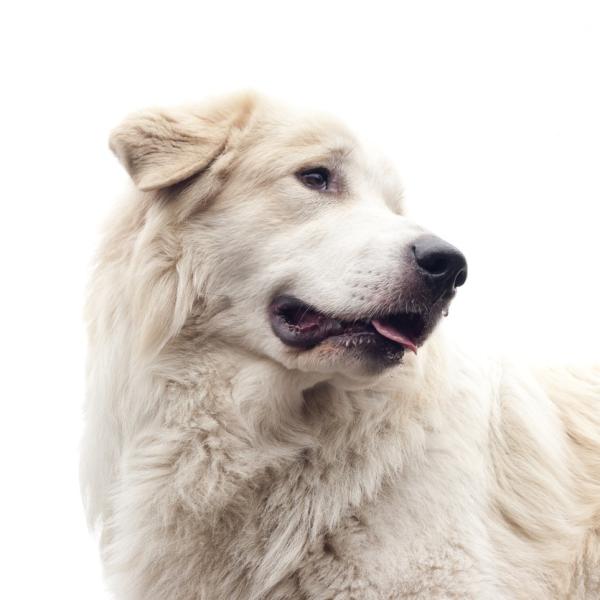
{"x":361,"y":356}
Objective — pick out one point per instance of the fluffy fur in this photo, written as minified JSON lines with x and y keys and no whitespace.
{"x":220,"y":464}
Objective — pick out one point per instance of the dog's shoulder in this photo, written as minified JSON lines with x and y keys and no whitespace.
{"x":576,"y":394}
{"x":544,"y":448}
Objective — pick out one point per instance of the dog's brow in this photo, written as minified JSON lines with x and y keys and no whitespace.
{"x":333,"y":156}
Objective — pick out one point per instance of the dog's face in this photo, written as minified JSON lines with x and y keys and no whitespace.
{"x":299,"y":233}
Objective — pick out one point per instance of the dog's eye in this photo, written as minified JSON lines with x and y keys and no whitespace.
{"x":315,"y":178}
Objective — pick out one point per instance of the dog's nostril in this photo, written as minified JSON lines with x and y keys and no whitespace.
{"x":435,"y":263}
{"x":460,"y":278}
{"x":440,"y":260}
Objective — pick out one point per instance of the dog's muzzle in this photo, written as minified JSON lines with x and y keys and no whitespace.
{"x":433,"y":271}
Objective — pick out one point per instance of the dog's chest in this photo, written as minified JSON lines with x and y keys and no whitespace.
{"x":390,"y":551}
{"x":412,"y":539}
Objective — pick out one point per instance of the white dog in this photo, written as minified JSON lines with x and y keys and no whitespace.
{"x":272,"y":413}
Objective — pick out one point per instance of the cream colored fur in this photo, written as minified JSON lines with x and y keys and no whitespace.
{"x":220,"y":464}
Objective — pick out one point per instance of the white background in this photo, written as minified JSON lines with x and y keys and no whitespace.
{"x":491,"y":111}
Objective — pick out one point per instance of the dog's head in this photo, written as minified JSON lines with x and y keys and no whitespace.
{"x":277,"y":233}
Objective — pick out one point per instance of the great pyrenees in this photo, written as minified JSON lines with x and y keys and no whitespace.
{"x":272,"y":412}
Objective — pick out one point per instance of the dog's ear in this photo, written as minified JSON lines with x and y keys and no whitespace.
{"x":159,"y":148}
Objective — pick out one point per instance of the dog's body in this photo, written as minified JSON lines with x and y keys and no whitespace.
{"x":230,"y":457}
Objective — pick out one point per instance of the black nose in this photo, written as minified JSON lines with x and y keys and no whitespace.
{"x":444,"y":265}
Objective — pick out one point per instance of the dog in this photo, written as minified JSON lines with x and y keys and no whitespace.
{"x":273,"y":411}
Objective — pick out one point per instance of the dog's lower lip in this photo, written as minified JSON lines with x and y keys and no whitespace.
{"x":301,"y":326}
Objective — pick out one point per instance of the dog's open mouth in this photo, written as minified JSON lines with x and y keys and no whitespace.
{"x":301,"y":326}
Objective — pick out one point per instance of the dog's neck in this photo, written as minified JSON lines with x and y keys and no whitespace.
{"x":268,"y":428}
{"x":282,"y":407}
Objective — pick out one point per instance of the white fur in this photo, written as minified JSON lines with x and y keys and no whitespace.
{"x":221,"y":464}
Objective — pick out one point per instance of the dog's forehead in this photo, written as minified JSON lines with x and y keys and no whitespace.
{"x":293,"y":138}
{"x":306,"y":131}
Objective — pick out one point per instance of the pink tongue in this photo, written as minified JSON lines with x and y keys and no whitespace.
{"x":390,"y":332}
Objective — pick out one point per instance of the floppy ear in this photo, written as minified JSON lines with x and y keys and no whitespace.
{"x":159,"y":148}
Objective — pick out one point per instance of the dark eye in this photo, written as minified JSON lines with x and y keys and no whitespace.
{"x":315,"y":178}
